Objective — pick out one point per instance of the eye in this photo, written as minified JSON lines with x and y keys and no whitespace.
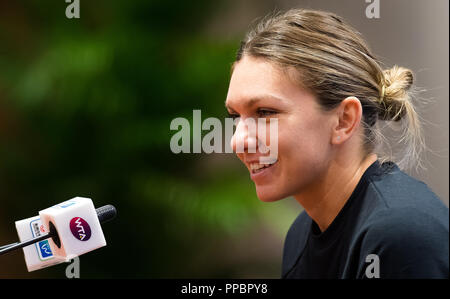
{"x":233,"y":115}
{"x":264,"y":112}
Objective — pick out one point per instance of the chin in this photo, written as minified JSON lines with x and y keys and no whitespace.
{"x":268,"y":195}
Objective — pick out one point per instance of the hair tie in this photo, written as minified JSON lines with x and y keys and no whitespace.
{"x":382,"y":92}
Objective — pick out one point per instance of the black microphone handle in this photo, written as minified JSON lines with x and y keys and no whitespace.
{"x":23,"y":244}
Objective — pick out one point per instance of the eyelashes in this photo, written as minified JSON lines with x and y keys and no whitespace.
{"x":233,"y":115}
{"x":260,"y":113}
{"x":265,"y":112}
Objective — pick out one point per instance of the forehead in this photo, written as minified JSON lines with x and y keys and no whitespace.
{"x":258,"y":78}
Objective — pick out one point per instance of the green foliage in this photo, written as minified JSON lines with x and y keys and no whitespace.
{"x":86,"y":107}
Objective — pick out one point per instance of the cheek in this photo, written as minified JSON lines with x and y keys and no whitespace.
{"x":303,"y":145}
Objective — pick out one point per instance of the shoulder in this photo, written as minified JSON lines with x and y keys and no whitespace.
{"x":406,"y":224}
{"x":410,"y":242}
{"x":397,"y":189}
{"x":406,"y":206}
{"x":295,"y":241}
{"x":398,"y":204}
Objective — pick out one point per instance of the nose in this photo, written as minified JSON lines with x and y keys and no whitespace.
{"x":244,"y":138}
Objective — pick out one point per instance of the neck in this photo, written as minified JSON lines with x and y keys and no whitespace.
{"x":324,"y":200}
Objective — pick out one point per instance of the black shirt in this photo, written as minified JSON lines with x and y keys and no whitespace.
{"x":390,"y":215}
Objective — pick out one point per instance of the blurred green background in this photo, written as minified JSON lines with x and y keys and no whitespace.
{"x":86,"y":106}
{"x":85,"y":109}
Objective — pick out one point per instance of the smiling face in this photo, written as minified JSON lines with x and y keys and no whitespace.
{"x":260,"y":89}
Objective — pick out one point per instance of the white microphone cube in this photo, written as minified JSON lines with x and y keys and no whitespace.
{"x":38,"y":255}
{"x":78,"y":227}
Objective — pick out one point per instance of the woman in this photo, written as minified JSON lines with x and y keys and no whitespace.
{"x":363,"y":217}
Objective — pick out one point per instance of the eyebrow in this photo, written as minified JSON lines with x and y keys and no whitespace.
{"x":253,"y":100}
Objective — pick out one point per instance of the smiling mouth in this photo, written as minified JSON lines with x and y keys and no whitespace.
{"x":256,"y":167}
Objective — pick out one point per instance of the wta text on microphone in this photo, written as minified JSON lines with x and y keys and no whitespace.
{"x":78,"y":227}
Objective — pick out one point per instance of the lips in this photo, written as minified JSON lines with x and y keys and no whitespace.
{"x":257,"y":167}
{"x":258,"y":170}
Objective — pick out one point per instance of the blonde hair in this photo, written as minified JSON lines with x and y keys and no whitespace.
{"x":333,"y":61}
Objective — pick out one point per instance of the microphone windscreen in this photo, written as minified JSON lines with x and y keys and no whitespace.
{"x":106,"y":213}
{"x":78,"y":227}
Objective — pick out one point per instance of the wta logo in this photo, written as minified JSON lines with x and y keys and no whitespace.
{"x":80,"y":229}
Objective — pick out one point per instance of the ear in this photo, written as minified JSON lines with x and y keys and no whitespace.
{"x":349,"y":113}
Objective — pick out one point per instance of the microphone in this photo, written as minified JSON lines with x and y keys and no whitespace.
{"x":61,"y":232}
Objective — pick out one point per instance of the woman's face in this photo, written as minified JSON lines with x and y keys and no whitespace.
{"x":260,"y":89}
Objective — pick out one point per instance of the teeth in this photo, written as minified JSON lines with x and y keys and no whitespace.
{"x":257,"y":166}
